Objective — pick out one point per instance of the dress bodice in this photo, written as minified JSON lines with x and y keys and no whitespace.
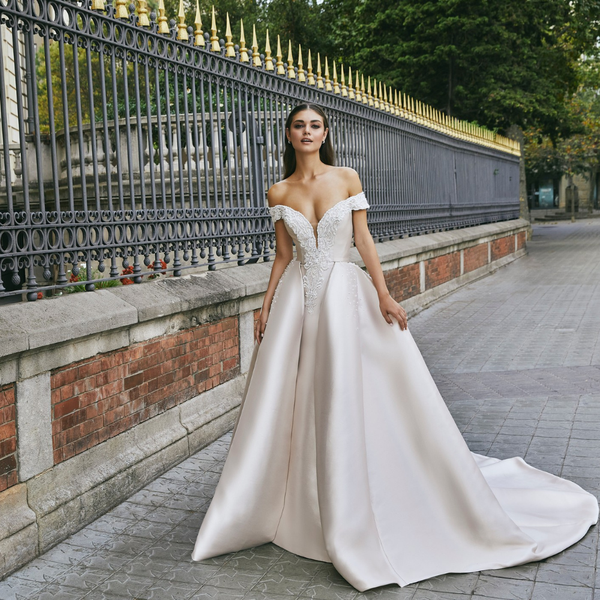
{"x":331,"y":244}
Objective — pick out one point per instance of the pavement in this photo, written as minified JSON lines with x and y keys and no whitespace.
{"x":516,"y":356}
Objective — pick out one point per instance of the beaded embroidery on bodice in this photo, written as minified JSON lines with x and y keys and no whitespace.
{"x":316,"y":250}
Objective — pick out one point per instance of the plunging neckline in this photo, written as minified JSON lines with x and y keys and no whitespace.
{"x":315,"y":232}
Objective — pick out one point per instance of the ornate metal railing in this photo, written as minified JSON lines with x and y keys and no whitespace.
{"x":129,"y":149}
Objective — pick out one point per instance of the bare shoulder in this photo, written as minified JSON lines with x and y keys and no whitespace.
{"x":350,"y":180}
{"x":277,"y":193}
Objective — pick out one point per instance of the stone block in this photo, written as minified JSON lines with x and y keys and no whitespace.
{"x":204,"y":289}
{"x":13,"y":338}
{"x":33,"y":363}
{"x":152,"y":301}
{"x":206,"y":407}
{"x":18,"y":549}
{"x":71,"y":516}
{"x":212,"y":430}
{"x":254,"y":277}
{"x":9,"y":371}
{"x":246,"y":340}
{"x":76,"y":476}
{"x":15,"y":514}
{"x":34,"y":426}
{"x":69,"y":317}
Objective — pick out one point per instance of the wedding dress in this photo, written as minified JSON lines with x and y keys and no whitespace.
{"x":345,"y":452}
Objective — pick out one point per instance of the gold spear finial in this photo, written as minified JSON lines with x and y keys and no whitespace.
{"x":243,"y":49}
{"x":351,"y":93}
{"x":343,"y":81}
{"x":97,"y":5}
{"x":396,"y":107}
{"x":255,"y":55}
{"x":362,"y":89}
{"x":279,"y":56}
{"x":229,"y":51}
{"x":328,"y":87}
{"x":375,"y":97}
{"x":369,"y":95}
{"x":143,"y":20}
{"x":385,"y":99}
{"x":357,"y":89}
{"x":182,"y":33}
{"x":163,"y":28}
{"x":268,"y":58}
{"x":319,"y":78}
{"x":291,"y":72}
{"x":301,"y":76}
{"x":198,"y":34}
{"x":214,"y":38}
{"x":336,"y":87}
{"x":311,"y":77}
{"x":121,"y":11}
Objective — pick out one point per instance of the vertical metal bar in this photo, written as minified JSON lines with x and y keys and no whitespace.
{"x":160,"y":135}
{"x":117,"y":125}
{"x":140,"y":135}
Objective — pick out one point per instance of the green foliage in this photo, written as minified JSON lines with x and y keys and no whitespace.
{"x":82,"y":276}
{"x":497,"y":62}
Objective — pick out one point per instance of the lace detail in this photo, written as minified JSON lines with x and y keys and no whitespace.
{"x":276,"y":294}
{"x":317,"y":258}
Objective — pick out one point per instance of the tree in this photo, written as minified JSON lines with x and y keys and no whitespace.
{"x":494,"y":62}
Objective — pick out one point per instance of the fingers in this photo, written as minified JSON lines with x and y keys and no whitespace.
{"x":259,"y":331}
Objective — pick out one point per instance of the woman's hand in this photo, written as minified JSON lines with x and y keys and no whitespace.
{"x":259,"y":327}
{"x":390,"y":310}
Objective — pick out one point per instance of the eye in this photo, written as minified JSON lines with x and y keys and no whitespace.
{"x":316,"y":126}
{"x":298,"y":126}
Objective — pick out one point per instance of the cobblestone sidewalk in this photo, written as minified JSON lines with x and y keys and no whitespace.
{"x":517,"y":358}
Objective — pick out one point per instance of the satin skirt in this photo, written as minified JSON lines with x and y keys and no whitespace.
{"x":345,"y":452}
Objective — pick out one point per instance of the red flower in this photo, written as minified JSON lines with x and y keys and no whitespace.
{"x":155,"y":274}
{"x":127,"y":271}
{"x":40,"y":295}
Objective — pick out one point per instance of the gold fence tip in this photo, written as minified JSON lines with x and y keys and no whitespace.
{"x":121,"y":9}
{"x":255,"y":54}
{"x":311,"y":77}
{"x":182,"y":33}
{"x":214,"y":38}
{"x":301,"y":75}
{"x":359,"y":96}
{"x":291,"y":72}
{"x":350,"y":91}
{"x":369,"y":95}
{"x":328,"y":87}
{"x":268,"y":58}
{"x":336,"y":87}
{"x":198,"y":34}
{"x":279,"y":56}
{"x":97,"y":5}
{"x":143,"y":20}
{"x":163,"y":28}
{"x":243,"y":50}
{"x":229,"y":49}
{"x":375,"y":97}
{"x":319,"y":78}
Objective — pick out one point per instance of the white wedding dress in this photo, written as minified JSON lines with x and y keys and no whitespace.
{"x":345,"y":452}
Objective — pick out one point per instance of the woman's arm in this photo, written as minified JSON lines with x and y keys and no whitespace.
{"x":283,"y":255}
{"x":366,"y":248}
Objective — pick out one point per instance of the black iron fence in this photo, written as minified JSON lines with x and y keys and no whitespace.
{"x":130,"y":148}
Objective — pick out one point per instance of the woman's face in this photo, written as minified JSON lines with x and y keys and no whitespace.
{"x":306,"y":132}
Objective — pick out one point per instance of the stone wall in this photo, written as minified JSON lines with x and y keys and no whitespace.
{"x":102,"y":392}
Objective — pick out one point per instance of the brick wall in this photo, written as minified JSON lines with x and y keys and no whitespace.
{"x":8,"y":438}
{"x":99,"y":398}
{"x":441,"y":269}
{"x":502,"y":247}
{"x":521,"y":239}
{"x":404,"y":283}
{"x":475,"y":257}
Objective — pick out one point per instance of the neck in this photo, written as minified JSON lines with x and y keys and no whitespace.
{"x":308,"y":166}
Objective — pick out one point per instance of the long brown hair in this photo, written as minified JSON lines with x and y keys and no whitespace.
{"x":326,"y":151}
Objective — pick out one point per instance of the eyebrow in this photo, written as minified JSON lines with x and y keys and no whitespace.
{"x":302,"y":121}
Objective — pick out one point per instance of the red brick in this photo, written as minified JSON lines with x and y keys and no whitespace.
{"x":440,"y":269}
{"x":63,"y":377}
{"x":7,"y":430}
{"x":64,"y":408}
{"x":502,"y":247}
{"x":475,"y":257}
{"x":89,"y":369}
{"x":133,"y":380}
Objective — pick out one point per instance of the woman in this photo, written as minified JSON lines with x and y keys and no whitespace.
{"x":344,"y":450}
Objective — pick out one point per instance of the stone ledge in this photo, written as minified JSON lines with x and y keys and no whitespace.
{"x":49,"y":323}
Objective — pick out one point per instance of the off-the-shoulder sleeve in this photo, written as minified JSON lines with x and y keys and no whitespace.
{"x":359,"y":202}
{"x":276,"y":212}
